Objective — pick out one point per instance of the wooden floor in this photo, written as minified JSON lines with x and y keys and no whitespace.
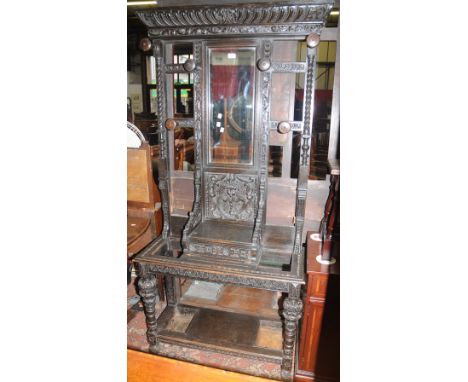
{"x":143,"y":367}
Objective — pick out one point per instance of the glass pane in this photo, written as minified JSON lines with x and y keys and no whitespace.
{"x":151,"y":70}
{"x":322,"y":109}
{"x":183,"y":58}
{"x":154,"y":100}
{"x":183,"y":78}
{"x":183,"y":101}
{"x":232,"y":83}
{"x":184,"y":145}
{"x":275,"y":162}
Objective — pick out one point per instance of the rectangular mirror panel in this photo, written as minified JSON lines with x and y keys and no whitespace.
{"x":231,"y":111}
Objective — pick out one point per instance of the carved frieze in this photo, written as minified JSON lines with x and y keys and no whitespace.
{"x":226,"y":278}
{"x":230,"y":196}
{"x":295,"y":125}
{"x":175,"y":68}
{"x":236,"y":30}
{"x":254,"y":14}
{"x":288,"y":67}
{"x":221,"y":250}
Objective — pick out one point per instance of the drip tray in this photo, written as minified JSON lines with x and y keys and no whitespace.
{"x":232,"y":333}
{"x":223,"y":328}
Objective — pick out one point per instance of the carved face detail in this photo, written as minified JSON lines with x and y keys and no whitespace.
{"x":231,"y":196}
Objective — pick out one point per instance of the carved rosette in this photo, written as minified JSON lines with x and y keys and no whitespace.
{"x":292,"y":309}
{"x":231,"y":196}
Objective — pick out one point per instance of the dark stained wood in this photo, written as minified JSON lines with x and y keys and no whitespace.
{"x":224,"y":238}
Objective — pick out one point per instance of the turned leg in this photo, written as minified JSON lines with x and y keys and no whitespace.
{"x":292,"y":313}
{"x":147,"y":285}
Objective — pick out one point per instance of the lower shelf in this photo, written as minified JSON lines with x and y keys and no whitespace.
{"x":225,"y":332}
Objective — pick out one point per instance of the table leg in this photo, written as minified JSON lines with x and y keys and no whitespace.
{"x":148,"y":290}
{"x":292,"y":313}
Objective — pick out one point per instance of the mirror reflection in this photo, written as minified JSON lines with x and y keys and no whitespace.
{"x":232,"y":83}
{"x":183,"y":83}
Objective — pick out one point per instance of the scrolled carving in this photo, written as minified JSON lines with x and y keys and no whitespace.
{"x":280,"y":29}
{"x":195,"y":214}
{"x":147,"y":289}
{"x":231,"y":196}
{"x":292,"y":312}
{"x":221,"y":250}
{"x":288,"y":67}
{"x":163,"y":165}
{"x":262,"y":283}
{"x":256,"y":14}
{"x":175,"y":68}
{"x":292,"y":309}
{"x":265,"y":94}
{"x":295,"y":125}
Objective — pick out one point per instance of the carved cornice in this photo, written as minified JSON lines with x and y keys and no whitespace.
{"x":278,"y":29}
{"x":259,"y":14}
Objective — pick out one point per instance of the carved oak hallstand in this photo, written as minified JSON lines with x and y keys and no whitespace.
{"x":226,"y":238}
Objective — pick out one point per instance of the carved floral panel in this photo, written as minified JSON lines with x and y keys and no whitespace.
{"x":230,"y":196}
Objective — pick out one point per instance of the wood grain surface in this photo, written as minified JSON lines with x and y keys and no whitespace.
{"x":143,"y":367}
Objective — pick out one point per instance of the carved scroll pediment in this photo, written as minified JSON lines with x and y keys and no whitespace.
{"x":264,"y":14}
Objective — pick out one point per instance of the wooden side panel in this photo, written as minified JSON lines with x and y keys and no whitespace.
{"x":138,"y":181}
{"x":317,"y":287}
{"x":310,"y":335}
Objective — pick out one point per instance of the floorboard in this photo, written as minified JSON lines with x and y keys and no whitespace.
{"x":143,"y":367}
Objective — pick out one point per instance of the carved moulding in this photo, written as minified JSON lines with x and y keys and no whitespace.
{"x":230,"y":196}
{"x":267,"y":47}
{"x":186,"y":122}
{"x":182,"y":357}
{"x":221,"y":250}
{"x":225,"y":278}
{"x":280,"y":29}
{"x":163,"y":165}
{"x":175,"y":68}
{"x":195,"y":214}
{"x":295,"y":125}
{"x":234,"y":15}
{"x":288,"y":67}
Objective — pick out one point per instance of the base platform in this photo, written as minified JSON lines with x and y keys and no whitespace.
{"x":225,"y":332}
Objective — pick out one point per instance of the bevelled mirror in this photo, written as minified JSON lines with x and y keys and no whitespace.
{"x":231,"y":78}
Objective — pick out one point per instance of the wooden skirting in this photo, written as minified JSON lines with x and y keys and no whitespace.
{"x":143,"y":367}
